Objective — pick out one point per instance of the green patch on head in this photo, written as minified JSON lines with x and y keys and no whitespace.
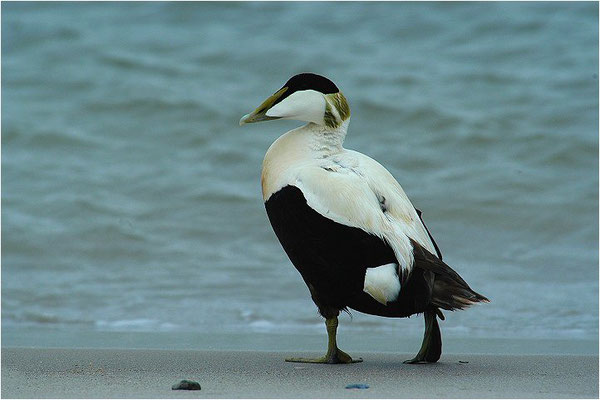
{"x":342,"y":106}
{"x":336,"y":101}
{"x":329,"y":119}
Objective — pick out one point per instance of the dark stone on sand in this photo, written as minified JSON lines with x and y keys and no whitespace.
{"x":186,"y":385}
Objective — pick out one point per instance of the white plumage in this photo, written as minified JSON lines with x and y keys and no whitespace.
{"x":383,"y":283}
{"x":345,"y":186}
{"x":307,"y":104}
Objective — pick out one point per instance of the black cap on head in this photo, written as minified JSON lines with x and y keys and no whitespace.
{"x":307,"y":81}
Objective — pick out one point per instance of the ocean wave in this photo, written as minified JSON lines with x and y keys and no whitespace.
{"x":67,"y":138}
{"x":140,"y":324}
{"x":130,"y":62}
{"x":41,"y":318}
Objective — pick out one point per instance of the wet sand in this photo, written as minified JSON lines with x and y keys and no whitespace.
{"x":118,"y":373}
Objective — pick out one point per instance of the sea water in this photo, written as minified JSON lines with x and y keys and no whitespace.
{"x":131,"y":198}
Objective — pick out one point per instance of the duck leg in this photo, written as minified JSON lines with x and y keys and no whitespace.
{"x":431,"y":349}
{"x":334,"y":355}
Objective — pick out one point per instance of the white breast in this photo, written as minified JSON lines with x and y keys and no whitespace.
{"x":283,"y":160}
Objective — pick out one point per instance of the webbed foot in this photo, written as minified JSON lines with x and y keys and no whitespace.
{"x":337,"y":357}
{"x":334,"y":355}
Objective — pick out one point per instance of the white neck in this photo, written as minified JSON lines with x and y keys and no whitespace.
{"x":296,"y":148}
{"x":325,"y":139}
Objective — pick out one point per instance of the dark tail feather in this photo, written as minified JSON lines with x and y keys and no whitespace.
{"x":451,"y":295}
{"x":450,"y":291}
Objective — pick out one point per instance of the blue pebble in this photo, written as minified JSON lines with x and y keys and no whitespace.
{"x":357,"y":386}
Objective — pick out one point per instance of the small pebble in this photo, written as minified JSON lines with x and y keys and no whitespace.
{"x":357,"y":386}
{"x":463,"y":362}
{"x":186,"y":385}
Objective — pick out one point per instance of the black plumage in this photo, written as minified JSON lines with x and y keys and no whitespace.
{"x":333,"y":258}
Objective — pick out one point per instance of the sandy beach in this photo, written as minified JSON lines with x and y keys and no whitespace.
{"x":112,"y":373}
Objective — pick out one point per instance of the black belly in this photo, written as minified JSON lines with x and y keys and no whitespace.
{"x":333,"y":258}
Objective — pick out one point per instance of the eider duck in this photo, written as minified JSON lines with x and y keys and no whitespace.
{"x":346,"y":223}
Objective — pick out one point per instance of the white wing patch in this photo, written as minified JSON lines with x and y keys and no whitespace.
{"x":382,"y":283}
